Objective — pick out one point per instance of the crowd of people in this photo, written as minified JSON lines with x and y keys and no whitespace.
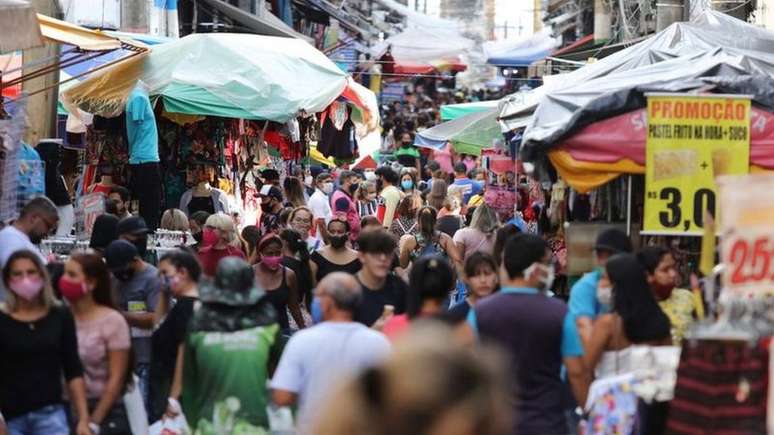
{"x":321,"y":303}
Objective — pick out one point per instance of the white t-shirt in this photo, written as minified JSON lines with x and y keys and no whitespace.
{"x":12,"y":240}
{"x":320,"y":206}
{"x":317,"y":358}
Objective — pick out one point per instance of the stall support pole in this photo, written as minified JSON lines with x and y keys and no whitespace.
{"x":629,"y":206}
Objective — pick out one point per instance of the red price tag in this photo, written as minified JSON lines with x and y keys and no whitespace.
{"x":749,"y":261}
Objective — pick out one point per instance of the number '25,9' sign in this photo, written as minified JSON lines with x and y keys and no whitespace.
{"x":691,"y":140}
{"x":747,"y":233}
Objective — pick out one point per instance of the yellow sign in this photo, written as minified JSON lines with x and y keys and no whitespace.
{"x":691,"y":140}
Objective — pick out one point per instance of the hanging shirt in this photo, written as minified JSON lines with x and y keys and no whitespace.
{"x":141,"y":129}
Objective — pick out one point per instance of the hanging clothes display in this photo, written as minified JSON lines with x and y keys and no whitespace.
{"x":143,"y":141}
{"x":50,"y":151}
{"x":337,"y":134}
{"x":721,"y":388}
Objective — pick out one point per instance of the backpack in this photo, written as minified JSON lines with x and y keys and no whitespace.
{"x":427,"y":247}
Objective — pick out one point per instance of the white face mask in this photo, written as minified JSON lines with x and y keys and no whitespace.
{"x":308,"y":180}
{"x":605,"y":295}
{"x":547,"y":281}
{"x":327,"y":188}
{"x":370,"y":175}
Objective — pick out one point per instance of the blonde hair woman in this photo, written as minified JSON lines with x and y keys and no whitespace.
{"x":38,"y":340}
{"x":430,"y":385}
{"x":480,"y":236}
{"x":174,"y":220}
{"x":218,"y":239}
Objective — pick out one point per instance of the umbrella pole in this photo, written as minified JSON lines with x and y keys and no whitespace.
{"x":629,"y":206}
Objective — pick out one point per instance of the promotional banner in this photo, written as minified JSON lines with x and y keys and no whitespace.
{"x":747,"y":234}
{"x":691,"y":140}
{"x":89,"y":207}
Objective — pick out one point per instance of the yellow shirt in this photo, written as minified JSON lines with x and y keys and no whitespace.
{"x":680,"y":307}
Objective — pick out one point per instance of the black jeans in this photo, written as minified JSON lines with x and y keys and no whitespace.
{"x":145,"y":185}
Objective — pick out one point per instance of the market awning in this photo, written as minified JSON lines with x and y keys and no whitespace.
{"x":18,"y":26}
{"x":263,"y":23}
{"x":81,"y":37}
{"x":222,"y":74}
{"x":468,"y":134}
{"x":454,"y":111}
{"x":522,"y":52}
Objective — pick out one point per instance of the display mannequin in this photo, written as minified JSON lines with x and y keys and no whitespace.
{"x":204,"y":197}
{"x":50,"y":151}
{"x":144,"y":168}
{"x":105,"y":182}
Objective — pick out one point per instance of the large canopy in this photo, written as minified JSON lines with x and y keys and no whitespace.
{"x":714,"y":51}
{"x":221,"y":74}
{"x":454,"y":111}
{"x":420,"y":50}
{"x":520,"y":52}
{"x":468,"y":134}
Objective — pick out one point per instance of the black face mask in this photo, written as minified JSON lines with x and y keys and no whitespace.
{"x":141,"y":245}
{"x":266,"y":207}
{"x":36,"y":238}
{"x":198,"y":237}
{"x":352,"y":189}
{"x":338,"y":242}
{"x":124,"y":274}
{"x":406,"y":144}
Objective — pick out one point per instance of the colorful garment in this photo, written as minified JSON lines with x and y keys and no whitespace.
{"x":612,"y":407}
{"x":680,"y":308}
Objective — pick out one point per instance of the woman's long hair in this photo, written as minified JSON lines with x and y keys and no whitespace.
{"x":427,"y":216}
{"x":294,"y":191}
{"x":47,"y":297}
{"x":485,"y":219}
{"x":297,"y":245}
{"x":642,"y":318}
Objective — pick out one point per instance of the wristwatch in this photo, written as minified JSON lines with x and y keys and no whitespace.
{"x":94,"y":427}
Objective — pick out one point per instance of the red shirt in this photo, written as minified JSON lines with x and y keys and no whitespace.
{"x":210,"y":257}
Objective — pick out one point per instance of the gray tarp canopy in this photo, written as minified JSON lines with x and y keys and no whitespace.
{"x":715,"y":51}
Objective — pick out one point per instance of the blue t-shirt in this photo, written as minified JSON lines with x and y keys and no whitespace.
{"x":141,"y":129}
{"x":571,"y":342}
{"x":469,"y":188}
{"x":583,"y":297}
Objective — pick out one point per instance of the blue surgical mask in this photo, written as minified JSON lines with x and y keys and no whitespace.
{"x":407,"y":184}
{"x":317,"y":314}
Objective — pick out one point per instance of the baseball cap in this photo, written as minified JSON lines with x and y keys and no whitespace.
{"x":271,"y":191}
{"x":132,"y":225}
{"x":119,"y":254}
{"x":614,"y":241}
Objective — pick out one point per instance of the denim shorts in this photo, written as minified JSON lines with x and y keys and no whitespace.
{"x":49,"y":420}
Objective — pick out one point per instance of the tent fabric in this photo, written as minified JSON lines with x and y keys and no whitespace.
{"x":81,"y":37}
{"x":708,"y":52}
{"x":468,"y":134}
{"x":454,"y":111}
{"x":222,"y":74}
{"x":19,"y":29}
{"x":521,"y":52}
{"x":421,"y":50}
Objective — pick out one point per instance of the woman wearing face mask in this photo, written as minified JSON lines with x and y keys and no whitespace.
{"x":367,"y":203}
{"x":406,"y":223}
{"x":406,"y":153}
{"x":278,"y":281}
{"x":408,"y":182}
{"x":335,"y":257}
{"x":180,"y":272}
{"x":217,"y":242}
{"x":635,"y":318}
{"x":680,"y":305}
{"x":103,"y":341}
{"x":39,"y":347}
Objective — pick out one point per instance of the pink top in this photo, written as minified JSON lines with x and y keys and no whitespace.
{"x":444,"y":158}
{"x":96,"y":338}
{"x":396,"y":326}
{"x":474,"y":240}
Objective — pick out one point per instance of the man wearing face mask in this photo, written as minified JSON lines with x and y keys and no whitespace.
{"x":319,"y":202}
{"x":38,"y":219}
{"x":389,"y":195}
{"x":138,"y":287}
{"x":271,"y":206}
{"x":316,"y":358}
{"x":343,"y":202}
{"x":523,"y":317}
{"x":134,"y":231}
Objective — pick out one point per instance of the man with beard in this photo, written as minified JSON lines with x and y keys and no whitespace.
{"x":138,"y":286}
{"x":38,"y":219}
